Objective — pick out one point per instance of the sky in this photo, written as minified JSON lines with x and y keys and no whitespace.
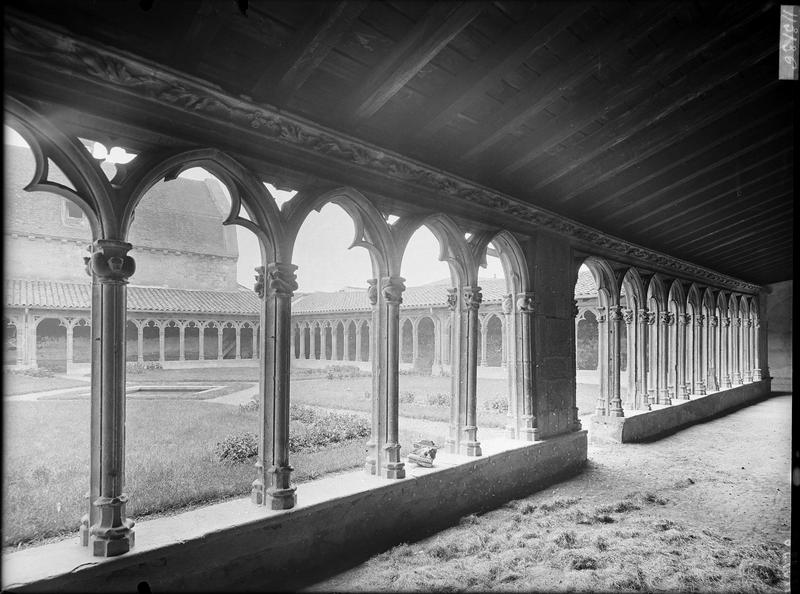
{"x":333,"y":267}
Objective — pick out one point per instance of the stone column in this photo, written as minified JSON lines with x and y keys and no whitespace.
{"x":256,"y":353}
{"x":377,"y":438}
{"x":711,"y":349}
{"x":666,"y":319}
{"x":32,"y":354}
{"x":201,"y":341}
{"x":106,"y":526}
{"x":484,"y":323}
{"x":272,"y":487}
{"x":527,"y":427}
{"x":358,"y":342}
{"x":414,"y":344}
{"x":615,"y":329}
{"x":220,"y":331}
{"x":472,"y":302}
{"x":653,"y":342}
{"x":312,"y":339}
{"x":303,"y":354}
{"x":238,"y":354}
{"x":699,"y":386}
{"x":392,"y":289}
{"x":70,"y":346}
{"x":514,"y":414}
{"x":161,"y":325}
{"x":736,"y":324}
{"x":437,"y":344}
{"x":334,"y":343}
{"x":602,"y":361}
{"x":641,"y":355}
{"x":181,"y":341}
{"x":724,"y":349}
{"x":346,"y":336}
{"x":323,"y":341}
{"x":682,"y":390}
{"x":748,"y":369}
{"x":628,"y":316}
{"x":756,"y":351}
{"x":457,"y":373}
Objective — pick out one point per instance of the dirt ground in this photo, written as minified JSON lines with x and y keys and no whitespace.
{"x":705,"y":509}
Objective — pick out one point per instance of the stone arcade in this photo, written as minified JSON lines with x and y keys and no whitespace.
{"x":562,"y":135}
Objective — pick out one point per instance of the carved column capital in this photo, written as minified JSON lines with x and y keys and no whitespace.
{"x":713,"y":321}
{"x":393,"y":288}
{"x":748,"y":322}
{"x":280,"y":279}
{"x":698,"y":321}
{"x":452,"y":298}
{"x":627,"y":315}
{"x":109,"y":260}
{"x":737,"y":321}
{"x":508,"y":303}
{"x":525,"y":303}
{"x":575,"y":309}
{"x":666,"y":318}
{"x":684,"y":319}
{"x":615,"y":313}
{"x":472,"y":297}
{"x":725,"y":321}
{"x":652,"y":316}
{"x":372,"y":291}
{"x":258,"y":287}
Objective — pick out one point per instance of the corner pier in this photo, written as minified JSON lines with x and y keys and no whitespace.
{"x":338,"y":522}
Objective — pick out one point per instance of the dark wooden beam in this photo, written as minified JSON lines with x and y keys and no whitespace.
{"x":780,"y":256}
{"x":678,"y":207}
{"x":308,"y":49}
{"x":689,"y":182}
{"x":678,"y":157}
{"x":442,"y":22}
{"x":756,"y":238}
{"x":681,"y":48}
{"x":698,"y":82}
{"x":552,"y":84}
{"x":200,"y":30}
{"x":508,"y":53}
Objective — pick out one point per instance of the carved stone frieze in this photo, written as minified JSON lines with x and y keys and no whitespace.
{"x":81,"y":60}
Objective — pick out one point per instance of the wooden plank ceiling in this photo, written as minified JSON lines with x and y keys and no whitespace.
{"x":662,"y":123}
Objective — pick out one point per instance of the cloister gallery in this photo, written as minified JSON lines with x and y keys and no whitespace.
{"x":551,"y":137}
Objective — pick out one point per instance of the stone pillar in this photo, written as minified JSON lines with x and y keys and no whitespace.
{"x":437,"y":344}
{"x":392,"y":289}
{"x":666,"y":319}
{"x":736,"y":324}
{"x":414,"y":344}
{"x":106,"y":526}
{"x":358,"y":341}
{"x":256,"y":353}
{"x":377,"y":438}
{"x":527,"y":427}
{"x":483,"y":324}
{"x":70,"y":324}
{"x":457,"y":373}
{"x":32,"y":354}
{"x":641,"y":355}
{"x":323,"y":342}
{"x":334,"y":343}
{"x":699,"y":386}
{"x":711,"y":348}
{"x":615,"y":329}
{"x":514,"y":414}
{"x":181,"y":341}
{"x":472,"y":301}
{"x":724,"y":348}
{"x":756,"y":351}
{"x":682,"y":390}
{"x":161,"y":328}
{"x":220,"y":331}
{"x":747,"y":369}
{"x":272,"y":486}
{"x":238,"y":328}
{"x":346,"y":336}
{"x":312,"y":339}
{"x":653,"y":376}
{"x":628,"y":316}
{"x":303,"y":354}
{"x":201,"y":341}
{"x":602,"y":361}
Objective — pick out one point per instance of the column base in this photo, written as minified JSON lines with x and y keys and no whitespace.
{"x":756,"y":375}
{"x":726,"y":382}
{"x":472,"y":448}
{"x":511,"y":432}
{"x":529,"y":434}
{"x":450,"y":446}
{"x":395,"y":470}
{"x":371,"y":466}
{"x":278,"y":499}
{"x":665,"y":397}
{"x":616,"y":412}
{"x":102,"y":547}
{"x":700,"y":389}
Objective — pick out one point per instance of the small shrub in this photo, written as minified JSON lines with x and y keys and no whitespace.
{"x":498,"y":404}
{"x":250,"y":406}
{"x":38,"y":372}
{"x":302,"y":414}
{"x":566,"y":540}
{"x":580,"y":562}
{"x":763,"y":573}
{"x":407,"y":397}
{"x":601,"y":543}
{"x":653,"y":498}
{"x":664,"y":525}
{"x":559,"y":504}
{"x":438,"y":399}
{"x":237,"y":448}
{"x":137,"y":367}
{"x":338,"y":372}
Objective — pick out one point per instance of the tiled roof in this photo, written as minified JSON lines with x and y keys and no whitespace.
{"x":585,"y":287}
{"x":62,"y":295}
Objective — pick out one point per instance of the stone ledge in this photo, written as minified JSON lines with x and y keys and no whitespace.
{"x":645,"y":425}
{"x":339,"y":521}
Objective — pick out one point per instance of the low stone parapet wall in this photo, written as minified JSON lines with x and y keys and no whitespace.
{"x":644,"y":425}
{"x":338,"y":522}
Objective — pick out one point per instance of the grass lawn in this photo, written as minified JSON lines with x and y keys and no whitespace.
{"x":170,"y":461}
{"x":18,"y":383}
